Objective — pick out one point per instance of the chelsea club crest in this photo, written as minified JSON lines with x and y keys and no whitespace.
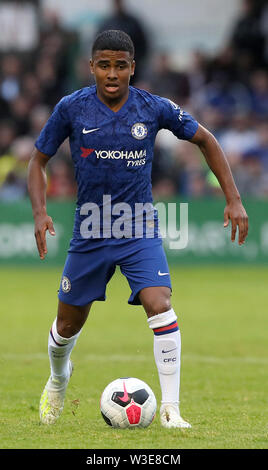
{"x":139,"y":130}
{"x":65,"y":284}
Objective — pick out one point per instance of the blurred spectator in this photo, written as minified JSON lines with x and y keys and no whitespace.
{"x":227,"y":97}
{"x":31,"y":88}
{"x":13,"y":189}
{"x":7,"y":135}
{"x":13,"y":169}
{"x":122,"y":19}
{"x":165,"y":81}
{"x":82,"y":77}
{"x":227,"y":93}
{"x":197,"y":71}
{"x":52,"y":89}
{"x":22,"y":149}
{"x":260,"y":150}
{"x":259,"y":93}
{"x":196,"y":184}
{"x":164,"y":188}
{"x":163,"y":167}
{"x":250,"y":179}
{"x":264,"y":28}
{"x":190,"y":170}
{"x":57,"y":52}
{"x":247,"y":38}
{"x":38,"y":119}
{"x":10,"y":77}
{"x":19,"y":113}
{"x":212,"y":118}
{"x":222,"y":68}
{"x":239,"y":137}
{"x":19,"y":25}
{"x":61,"y":183}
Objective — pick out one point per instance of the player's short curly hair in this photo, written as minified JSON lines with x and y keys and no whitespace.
{"x":113,"y":40}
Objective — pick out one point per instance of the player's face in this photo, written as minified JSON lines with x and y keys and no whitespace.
{"x":112,"y":71}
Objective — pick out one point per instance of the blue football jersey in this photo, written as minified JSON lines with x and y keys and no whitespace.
{"x":112,"y":151}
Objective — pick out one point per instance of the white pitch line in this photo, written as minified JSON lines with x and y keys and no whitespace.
{"x":224,"y":360}
{"x":19,"y":357}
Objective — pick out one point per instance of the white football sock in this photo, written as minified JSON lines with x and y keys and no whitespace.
{"x":167,"y":354}
{"x":59,"y":351}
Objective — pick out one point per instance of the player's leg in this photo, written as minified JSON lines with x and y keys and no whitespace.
{"x":84,"y":280}
{"x":145,"y":265}
{"x":63,"y":336}
{"x":167,"y":351}
{"x":61,"y":341}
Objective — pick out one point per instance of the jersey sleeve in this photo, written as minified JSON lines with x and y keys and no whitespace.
{"x":175,"y":119}
{"x":55,"y":131}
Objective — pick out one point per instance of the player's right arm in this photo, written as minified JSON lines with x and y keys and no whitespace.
{"x":37,"y":185}
{"x":55,"y":131}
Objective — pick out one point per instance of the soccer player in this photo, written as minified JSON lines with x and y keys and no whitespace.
{"x":112,"y":128}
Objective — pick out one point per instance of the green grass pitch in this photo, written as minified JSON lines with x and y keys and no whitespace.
{"x":222,"y":315}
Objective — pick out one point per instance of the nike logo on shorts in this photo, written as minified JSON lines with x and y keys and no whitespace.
{"x":162,"y":274}
{"x":87,"y":131}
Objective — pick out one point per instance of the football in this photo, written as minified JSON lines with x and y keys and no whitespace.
{"x":128,"y":402}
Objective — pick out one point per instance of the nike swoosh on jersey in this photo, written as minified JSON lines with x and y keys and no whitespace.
{"x":87,"y":131}
{"x":162,"y":274}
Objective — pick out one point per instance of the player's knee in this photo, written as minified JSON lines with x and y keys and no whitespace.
{"x":155,"y":300}
{"x":158,"y":305}
{"x":66,"y":329}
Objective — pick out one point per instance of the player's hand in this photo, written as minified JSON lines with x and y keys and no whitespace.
{"x":235,"y":212}
{"x":42,"y":224}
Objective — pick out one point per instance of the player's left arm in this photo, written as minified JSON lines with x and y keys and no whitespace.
{"x":219,"y":165}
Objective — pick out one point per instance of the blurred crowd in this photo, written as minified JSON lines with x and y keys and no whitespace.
{"x":227,"y":93}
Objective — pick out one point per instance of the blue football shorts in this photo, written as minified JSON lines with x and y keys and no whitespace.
{"x":90,"y":264}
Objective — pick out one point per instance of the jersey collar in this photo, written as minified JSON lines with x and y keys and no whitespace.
{"x":108,"y":110}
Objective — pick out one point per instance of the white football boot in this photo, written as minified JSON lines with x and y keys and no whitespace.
{"x":52,"y":399}
{"x":170,"y":417}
